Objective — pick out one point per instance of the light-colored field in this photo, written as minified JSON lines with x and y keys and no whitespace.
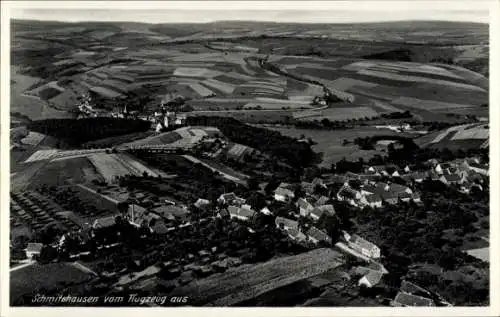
{"x":105,"y":92}
{"x":201,"y":90}
{"x":249,"y":281}
{"x":109,"y":166}
{"x":135,"y":166}
{"x":33,"y":138}
{"x":41,"y":155}
{"x":344,"y":83}
{"x":480,"y":132}
{"x":330,"y":142}
{"x":278,"y":105}
{"x":195,"y":72}
{"x":407,"y":78}
{"x":337,"y":114}
{"x":427,"y":104}
{"x":237,"y":150}
{"x":219,"y":85}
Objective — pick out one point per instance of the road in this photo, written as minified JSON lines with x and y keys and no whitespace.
{"x":225,"y":175}
{"x":31,"y":262}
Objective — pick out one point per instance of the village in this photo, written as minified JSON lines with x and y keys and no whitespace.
{"x":303,"y":213}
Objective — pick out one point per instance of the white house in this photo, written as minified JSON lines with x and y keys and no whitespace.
{"x":33,"y":249}
{"x":283,"y":194}
{"x":304,"y":206}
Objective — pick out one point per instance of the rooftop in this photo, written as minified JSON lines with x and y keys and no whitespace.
{"x":406,"y":299}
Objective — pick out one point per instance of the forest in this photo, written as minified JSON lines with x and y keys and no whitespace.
{"x":297,"y":154}
{"x":74,"y":132}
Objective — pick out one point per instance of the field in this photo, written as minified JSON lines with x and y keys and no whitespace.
{"x":59,"y":173}
{"x":109,"y":166}
{"x":32,"y":278}
{"x":462,"y":136}
{"x":246,"y":282}
{"x":330,"y":142}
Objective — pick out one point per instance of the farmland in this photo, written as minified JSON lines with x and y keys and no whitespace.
{"x":330,"y":142}
{"x":246,"y":282}
{"x":36,"y":277}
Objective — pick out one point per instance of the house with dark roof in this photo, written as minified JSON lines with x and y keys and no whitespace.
{"x":403,"y":299}
{"x":371,"y":278}
{"x":231,"y":199}
{"x":418,"y":177}
{"x":223,"y":213}
{"x":169,"y":211}
{"x":372,"y":200}
{"x":411,"y":288}
{"x":480,"y":168}
{"x":244,"y":214}
{"x":104,"y":222}
{"x":349,"y":195}
{"x":316,"y":213}
{"x":316,"y":235}
{"x":285,"y":223}
{"x":33,"y":249}
{"x":307,"y":187}
{"x":389,"y":197}
{"x":452,"y":179}
{"x":362,"y":246}
{"x":296,"y":235}
{"x":321,"y":201}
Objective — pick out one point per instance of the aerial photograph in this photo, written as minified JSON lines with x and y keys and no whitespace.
{"x":250,"y":158}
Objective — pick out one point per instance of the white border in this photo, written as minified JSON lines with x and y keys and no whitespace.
{"x":493,"y":310}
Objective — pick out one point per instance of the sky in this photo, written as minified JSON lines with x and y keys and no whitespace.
{"x":278,"y":11}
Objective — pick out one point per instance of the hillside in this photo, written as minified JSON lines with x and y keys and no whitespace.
{"x":216,"y":66}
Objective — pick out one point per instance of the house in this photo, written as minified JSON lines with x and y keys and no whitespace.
{"x":363,"y":246}
{"x":398,"y":189}
{"x":159,"y":227}
{"x":407,"y":169}
{"x":33,"y":249}
{"x":329,"y":209}
{"x":372,"y":200}
{"x":321,"y":201}
{"x":315,"y":236}
{"x":452,"y":179}
{"x":371,"y":278}
{"x":244,"y":214}
{"x":418,"y":177}
{"x":308,"y":188}
{"x":296,"y":235}
{"x":231,"y":199}
{"x":348,"y":194}
{"x":405,"y":197}
{"x":285,"y":223}
{"x":403,"y":299}
{"x":304,"y":206}
{"x":200,"y":203}
{"x":138,"y":215}
{"x":266,"y":211}
{"x":416,"y":198}
{"x":171,"y":211}
{"x":389,"y":197}
{"x":104,"y":222}
{"x":283,"y":194}
{"x":410,"y":288}
{"x":223,"y":213}
{"x":480,"y":168}
{"x":316,"y":213}
{"x":441,"y":168}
